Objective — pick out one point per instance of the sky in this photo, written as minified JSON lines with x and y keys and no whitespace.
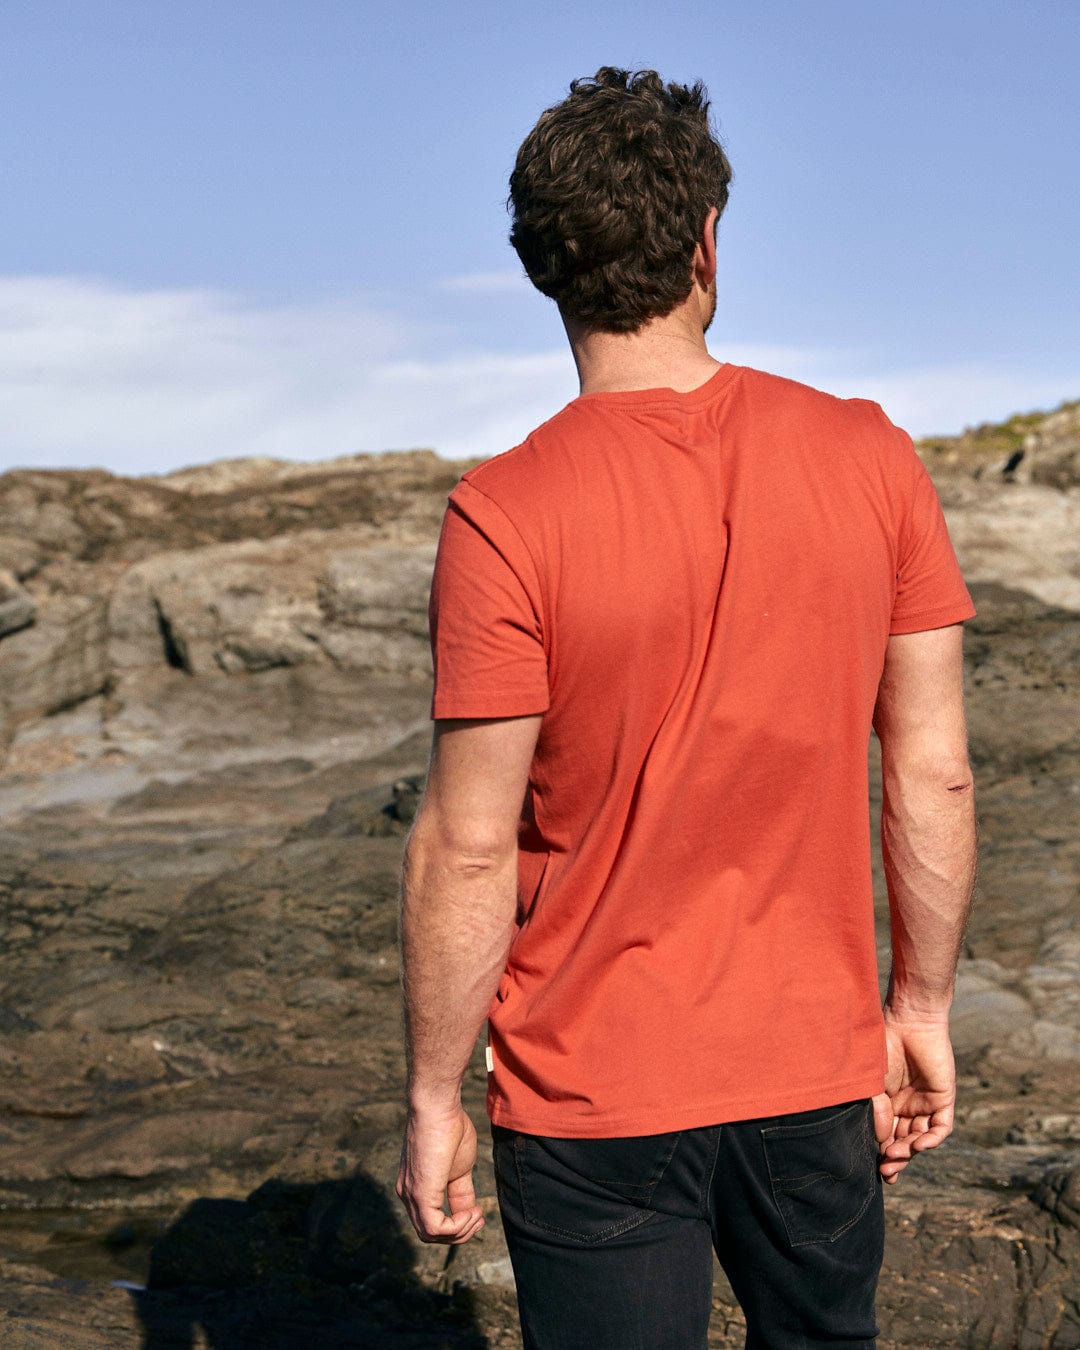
{"x":278,"y":227}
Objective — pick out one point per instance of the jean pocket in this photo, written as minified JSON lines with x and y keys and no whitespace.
{"x":588,"y":1190}
{"x":823,"y":1171}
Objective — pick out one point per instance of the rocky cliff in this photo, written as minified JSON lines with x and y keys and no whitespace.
{"x":214,"y":696}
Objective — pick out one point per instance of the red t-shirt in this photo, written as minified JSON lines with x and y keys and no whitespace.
{"x":696,"y":590}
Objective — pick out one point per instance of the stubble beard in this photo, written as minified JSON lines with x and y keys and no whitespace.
{"x":712,"y":306}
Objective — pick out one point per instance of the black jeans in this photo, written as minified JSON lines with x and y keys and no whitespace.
{"x":611,"y":1240}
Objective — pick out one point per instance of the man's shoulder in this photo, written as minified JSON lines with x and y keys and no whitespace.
{"x":532,"y":464}
{"x":788,"y":398}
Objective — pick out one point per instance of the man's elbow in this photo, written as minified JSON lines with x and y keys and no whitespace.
{"x":930,"y":760}
{"x":466,"y":861}
{"x":465,"y":848}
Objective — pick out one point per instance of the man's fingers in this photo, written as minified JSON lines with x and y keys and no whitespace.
{"x":461,"y":1192}
{"x":884,"y":1120}
{"x":463,"y":1226}
{"x":432,"y":1225}
{"x":907,"y":1145}
{"x":471,"y":1230}
{"x":930,"y":1138}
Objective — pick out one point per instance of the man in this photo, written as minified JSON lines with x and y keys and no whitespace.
{"x":662,"y":629}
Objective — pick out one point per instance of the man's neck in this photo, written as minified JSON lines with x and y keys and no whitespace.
{"x":667,"y":353}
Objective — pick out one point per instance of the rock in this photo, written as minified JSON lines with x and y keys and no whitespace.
{"x":254,"y":605}
{"x":227,"y":607}
{"x":43,"y":1311}
{"x":373,"y":812}
{"x":181,"y":1142}
{"x":1053,"y":981}
{"x":34,"y":505}
{"x":218,"y":726}
{"x":315,"y":992}
{"x":94,"y":516}
{"x":1052,"y":450}
{"x":385,"y":589}
{"x":1022,"y":537}
{"x":984,"y":1017}
{"x":1059,"y":1193}
{"x":1056,"y":1040}
{"x":138,"y":633}
{"x":17,"y":607}
{"x":136,"y":1005}
{"x":58,"y":661}
{"x":256,"y":473}
{"x":1061,"y":1128}
{"x":19,"y":555}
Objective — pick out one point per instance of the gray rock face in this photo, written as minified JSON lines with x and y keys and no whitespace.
{"x":1059,"y":1193}
{"x":55,"y":664}
{"x":208,"y":572}
{"x":984,"y":1014}
{"x":253,"y":605}
{"x":1023,"y":536}
{"x":19,"y":555}
{"x":216,"y":734}
{"x":17,"y":608}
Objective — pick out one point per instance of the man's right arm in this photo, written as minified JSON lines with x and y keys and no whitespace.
{"x":928,"y":846}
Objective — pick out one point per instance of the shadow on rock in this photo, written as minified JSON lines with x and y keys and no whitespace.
{"x":293,"y":1266}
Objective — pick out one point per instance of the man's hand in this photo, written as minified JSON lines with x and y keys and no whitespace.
{"x":437,"y":1159}
{"x":915,"y":1112}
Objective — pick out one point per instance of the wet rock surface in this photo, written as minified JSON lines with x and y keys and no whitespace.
{"x":215,"y":735}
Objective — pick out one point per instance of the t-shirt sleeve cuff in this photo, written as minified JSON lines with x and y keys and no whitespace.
{"x":488,"y":703}
{"x":939,"y":617}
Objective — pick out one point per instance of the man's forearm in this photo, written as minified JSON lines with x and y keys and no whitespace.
{"x":928,"y":845}
{"x":457,"y":919}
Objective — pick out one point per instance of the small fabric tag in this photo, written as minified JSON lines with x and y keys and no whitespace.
{"x":489,"y":1058}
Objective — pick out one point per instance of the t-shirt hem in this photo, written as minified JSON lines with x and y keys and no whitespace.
{"x":664,"y":1120}
{"x":939,"y":617}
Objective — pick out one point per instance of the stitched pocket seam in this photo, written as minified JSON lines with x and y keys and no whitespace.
{"x":782,"y":1188}
{"x":634,"y":1220}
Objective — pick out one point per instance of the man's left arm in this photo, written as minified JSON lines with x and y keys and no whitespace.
{"x":458,"y":911}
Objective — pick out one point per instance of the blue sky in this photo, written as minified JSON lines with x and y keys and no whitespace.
{"x":278,"y":226}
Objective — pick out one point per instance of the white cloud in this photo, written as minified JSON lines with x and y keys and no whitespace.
{"x":94,"y":373}
{"x":149,"y":380}
{"x":472,"y":405}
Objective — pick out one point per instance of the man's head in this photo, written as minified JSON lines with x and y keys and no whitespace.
{"x":610,"y":195}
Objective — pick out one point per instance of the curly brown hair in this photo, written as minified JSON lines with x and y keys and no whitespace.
{"x":610,"y":193}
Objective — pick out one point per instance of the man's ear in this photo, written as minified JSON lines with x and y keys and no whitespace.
{"x":705,"y":252}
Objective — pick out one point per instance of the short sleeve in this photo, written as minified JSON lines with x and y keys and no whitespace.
{"x":487,"y":640}
{"x":930,"y":590}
